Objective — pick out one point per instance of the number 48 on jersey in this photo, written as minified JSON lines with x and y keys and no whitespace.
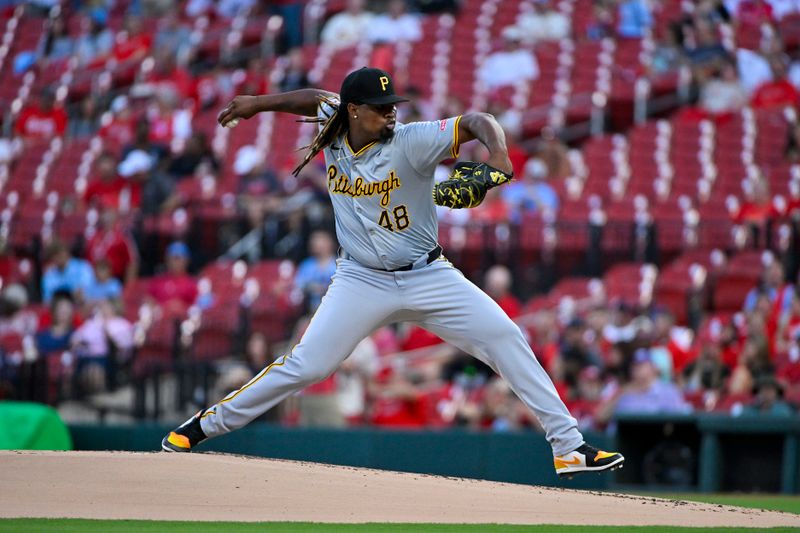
{"x":400,"y":216}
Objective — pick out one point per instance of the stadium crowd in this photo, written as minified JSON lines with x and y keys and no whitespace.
{"x":125,"y":280}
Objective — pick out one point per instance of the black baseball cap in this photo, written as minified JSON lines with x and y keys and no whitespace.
{"x":369,"y":86}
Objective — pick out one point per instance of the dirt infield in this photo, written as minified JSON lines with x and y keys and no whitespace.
{"x":160,"y":486}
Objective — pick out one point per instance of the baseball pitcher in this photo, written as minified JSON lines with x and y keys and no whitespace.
{"x":391,"y":269}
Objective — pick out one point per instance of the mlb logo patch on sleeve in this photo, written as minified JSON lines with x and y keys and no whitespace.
{"x":442,"y":125}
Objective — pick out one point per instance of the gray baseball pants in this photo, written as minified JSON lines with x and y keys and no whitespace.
{"x":437,"y":297}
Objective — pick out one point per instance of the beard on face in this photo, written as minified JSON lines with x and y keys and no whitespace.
{"x":386,"y":134}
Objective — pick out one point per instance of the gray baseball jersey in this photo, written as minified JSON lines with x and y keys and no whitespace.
{"x":385,"y":219}
{"x":381,"y":195}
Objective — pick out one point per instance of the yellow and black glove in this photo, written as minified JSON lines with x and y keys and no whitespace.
{"x":468,"y":184}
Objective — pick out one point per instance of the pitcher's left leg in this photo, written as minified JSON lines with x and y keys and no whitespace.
{"x":463,"y":315}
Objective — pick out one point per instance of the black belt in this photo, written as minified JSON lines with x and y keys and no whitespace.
{"x":433,"y":255}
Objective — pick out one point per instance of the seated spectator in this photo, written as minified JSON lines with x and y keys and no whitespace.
{"x":511,"y":65}
{"x":134,"y":169}
{"x":112,"y":243}
{"x":259,"y":189}
{"x":395,"y":25}
{"x":146,"y":189}
{"x":104,"y":286}
{"x":58,"y":45}
{"x":723,"y":93}
{"x":757,"y":207}
{"x":168,"y":120}
{"x":44,"y":120}
{"x":671,"y":344}
{"x":707,"y":372}
{"x":531,"y":194}
{"x":635,"y":19}
{"x":667,"y":55}
{"x":315,"y":272}
{"x":134,"y":42}
{"x":497,"y":285}
{"x":397,"y":401}
{"x":168,"y":77}
{"x":705,"y":52}
{"x":646,"y":393}
{"x":173,"y":37}
{"x":84,"y":124}
{"x":575,"y":352}
{"x":197,"y":151}
{"x":768,"y":400}
{"x":56,"y":337}
{"x":105,"y":186}
{"x":65,"y":273}
{"x":348,"y":27}
{"x":119,"y":127}
{"x":601,"y":22}
{"x":754,"y":363}
{"x":175,"y":289}
{"x":586,"y":398}
{"x":100,"y":344}
{"x":143,"y":141}
{"x":96,"y":41}
{"x":295,"y":75}
{"x":14,"y":317}
{"x":779,"y":92}
{"x":542,"y":23}
{"x":772,"y":286}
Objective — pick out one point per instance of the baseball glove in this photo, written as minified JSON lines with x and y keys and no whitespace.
{"x":468,"y":184}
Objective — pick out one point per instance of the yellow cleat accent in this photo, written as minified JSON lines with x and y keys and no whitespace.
{"x":602,"y":455}
{"x":179,"y":440}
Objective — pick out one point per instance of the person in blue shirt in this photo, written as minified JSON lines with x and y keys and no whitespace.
{"x":634,"y":19}
{"x":65,"y":273}
{"x":315,"y":272}
{"x":56,"y":337}
{"x":104,"y":286}
{"x":531,"y":194}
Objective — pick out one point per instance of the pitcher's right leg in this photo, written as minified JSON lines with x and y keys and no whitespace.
{"x":356,"y":303}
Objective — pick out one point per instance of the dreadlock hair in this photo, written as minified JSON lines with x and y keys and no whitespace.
{"x":333,"y":126}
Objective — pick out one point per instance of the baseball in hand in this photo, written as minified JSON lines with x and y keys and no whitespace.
{"x":232,"y":123}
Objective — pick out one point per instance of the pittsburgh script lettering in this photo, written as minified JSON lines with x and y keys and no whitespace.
{"x":341,"y":184}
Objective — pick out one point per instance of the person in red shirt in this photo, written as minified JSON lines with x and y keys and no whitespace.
{"x":119,"y":128}
{"x":42,"y":121}
{"x":397,"y":401}
{"x":169,"y":76}
{"x":497,"y":284}
{"x":134,"y":43}
{"x":754,"y":12}
{"x":105,"y":186}
{"x":776,"y":93}
{"x":175,"y":289}
{"x":112,"y":243}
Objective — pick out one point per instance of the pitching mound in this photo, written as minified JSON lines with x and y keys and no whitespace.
{"x":161,"y":486}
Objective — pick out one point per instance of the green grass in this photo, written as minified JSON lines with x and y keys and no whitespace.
{"x":789,"y":504}
{"x":39,"y":525}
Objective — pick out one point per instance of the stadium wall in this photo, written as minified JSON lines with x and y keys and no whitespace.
{"x":523,"y":457}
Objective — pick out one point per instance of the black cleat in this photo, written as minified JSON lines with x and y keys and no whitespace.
{"x":185,"y":437}
{"x":586,"y":459}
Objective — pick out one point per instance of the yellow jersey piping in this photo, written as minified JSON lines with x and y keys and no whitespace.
{"x":456,"y":148}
